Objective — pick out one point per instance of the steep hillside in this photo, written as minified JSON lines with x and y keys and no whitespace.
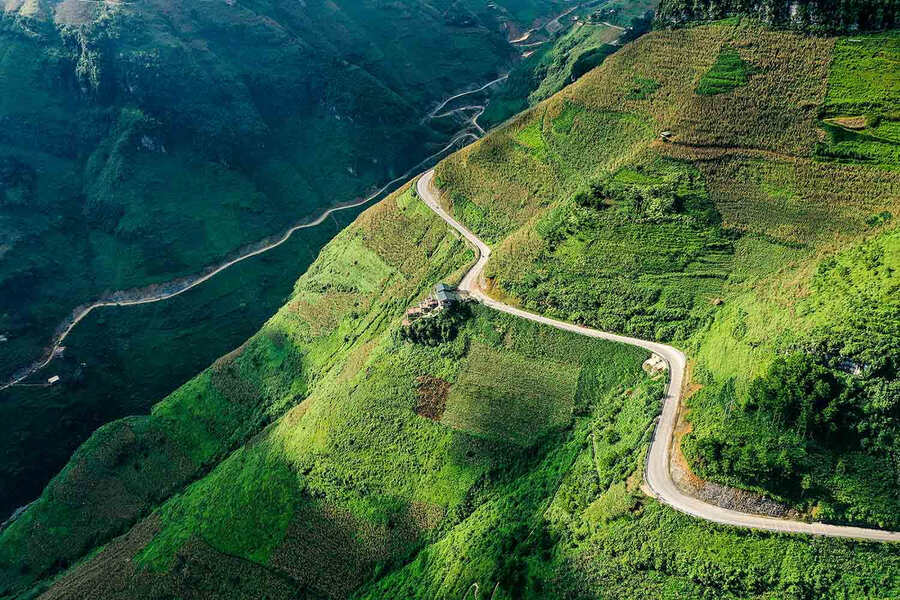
{"x":359,"y":284}
{"x":739,"y":238}
{"x":339,"y":454}
{"x":144,"y":143}
{"x":502,"y":455}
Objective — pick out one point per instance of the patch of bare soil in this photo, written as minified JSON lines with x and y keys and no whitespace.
{"x":849,"y":122}
{"x":432,"y":398}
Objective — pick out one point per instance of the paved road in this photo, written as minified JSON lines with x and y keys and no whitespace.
{"x":434,"y":113}
{"x":658,"y":476}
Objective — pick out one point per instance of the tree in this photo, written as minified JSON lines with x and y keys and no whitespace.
{"x":802,"y":395}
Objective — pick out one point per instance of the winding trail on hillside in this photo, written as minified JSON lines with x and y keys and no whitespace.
{"x":166,"y":290}
{"x":434,"y":113}
{"x":658,"y":475}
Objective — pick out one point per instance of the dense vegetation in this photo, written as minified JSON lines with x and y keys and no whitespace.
{"x":437,"y":329}
{"x":818,"y":427}
{"x":550,"y":64}
{"x":549,"y":67}
{"x":820,"y":16}
{"x":722,"y":239}
{"x":113,"y":366}
{"x":142,"y":144}
{"x":333,"y":456}
{"x":508,"y":459}
{"x":128,"y":466}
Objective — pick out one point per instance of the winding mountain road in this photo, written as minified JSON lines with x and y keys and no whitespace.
{"x":170,"y":289}
{"x":658,"y":475}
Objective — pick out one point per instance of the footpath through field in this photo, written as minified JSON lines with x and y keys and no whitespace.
{"x":658,"y":476}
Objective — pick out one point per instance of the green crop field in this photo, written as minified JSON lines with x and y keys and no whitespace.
{"x":728,"y":72}
{"x":506,"y":396}
{"x":861,"y":104}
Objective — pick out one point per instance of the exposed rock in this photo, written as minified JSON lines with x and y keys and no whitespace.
{"x":655,"y":366}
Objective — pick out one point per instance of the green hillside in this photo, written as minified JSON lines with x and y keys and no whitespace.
{"x":741,"y":239}
{"x":507,"y":457}
{"x":338,"y":454}
{"x":144,"y":143}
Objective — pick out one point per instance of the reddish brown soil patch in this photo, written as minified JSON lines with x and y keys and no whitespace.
{"x":432,"y":397}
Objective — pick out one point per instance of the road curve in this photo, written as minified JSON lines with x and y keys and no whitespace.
{"x":658,"y":476}
{"x":138,"y":296}
{"x":434,"y":113}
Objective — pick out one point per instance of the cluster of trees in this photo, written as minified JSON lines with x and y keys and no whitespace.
{"x":813,"y":15}
{"x":800,"y":394}
{"x":800,"y":421}
{"x":653,"y":202}
{"x":437,"y":329}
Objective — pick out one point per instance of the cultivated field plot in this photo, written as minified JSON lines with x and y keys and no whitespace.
{"x":862,"y":107}
{"x":511,"y":397}
{"x":693,"y":188}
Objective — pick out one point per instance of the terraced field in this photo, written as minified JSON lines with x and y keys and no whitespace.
{"x":711,"y":235}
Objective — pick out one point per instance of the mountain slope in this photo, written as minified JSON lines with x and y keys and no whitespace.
{"x":143,"y":144}
{"x":498,"y":456}
{"x":389,"y":480}
{"x":712,"y":240}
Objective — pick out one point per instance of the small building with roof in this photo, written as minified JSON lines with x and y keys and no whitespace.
{"x":445,"y":294}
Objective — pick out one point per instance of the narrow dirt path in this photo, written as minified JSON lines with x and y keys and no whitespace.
{"x":657,"y":475}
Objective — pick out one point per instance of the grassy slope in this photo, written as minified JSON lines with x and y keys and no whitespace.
{"x":353,"y":481}
{"x":352,"y":493}
{"x":129,"y":466}
{"x":181,"y":133}
{"x":712,"y":240}
{"x":552,"y":66}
